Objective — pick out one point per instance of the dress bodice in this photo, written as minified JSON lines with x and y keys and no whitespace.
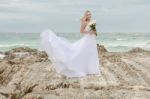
{"x":87,"y":28}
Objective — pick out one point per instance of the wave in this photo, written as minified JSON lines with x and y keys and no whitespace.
{"x":124,"y":39}
{"x":148,"y":43}
{"x":143,"y":45}
{"x":12,"y":45}
{"x":120,"y":39}
{"x":133,"y":37}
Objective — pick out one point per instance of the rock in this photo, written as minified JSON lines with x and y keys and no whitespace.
{"x":9,"y":56}
{"x":18,"y":52}
{"x":26,"y":54}
{"x":32,"y":76}
{"x":101,"y":48}
{"x":23,"y":49}
{"x":7,"y":52}
{"x":135,"y":50}
{"x":1,"y":52}
{"x":20,"y":49}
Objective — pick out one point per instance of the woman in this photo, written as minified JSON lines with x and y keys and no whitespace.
{"x":75,"y":59}
{"x":84,"y":22}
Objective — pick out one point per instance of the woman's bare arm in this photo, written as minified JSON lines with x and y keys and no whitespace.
{"x":82,"y":29}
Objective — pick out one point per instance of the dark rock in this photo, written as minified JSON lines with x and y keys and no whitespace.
{"x":134,"y":50}
{"x":1,"y":52}
{"x":101,"y":48}
{"x":24,"y":49}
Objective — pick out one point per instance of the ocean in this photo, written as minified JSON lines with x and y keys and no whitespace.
{"x":114,"y":42}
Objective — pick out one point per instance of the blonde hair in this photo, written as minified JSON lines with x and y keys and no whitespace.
{"x":84,"y":16}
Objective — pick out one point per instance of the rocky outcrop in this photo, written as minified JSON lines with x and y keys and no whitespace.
{"x":32,"y":76}
{"x":26,"y":54}
{"x":136,"y":50}
{"x":21,"y":49}
{"x":101,"y":48}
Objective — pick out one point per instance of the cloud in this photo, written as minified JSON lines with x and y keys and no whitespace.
{"x":64,"y":15}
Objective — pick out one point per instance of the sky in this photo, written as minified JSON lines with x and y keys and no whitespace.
{"x":64,"y":15}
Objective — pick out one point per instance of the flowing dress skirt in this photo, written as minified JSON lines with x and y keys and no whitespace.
{"x":75,"y":59}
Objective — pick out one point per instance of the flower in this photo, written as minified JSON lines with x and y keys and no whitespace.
{"x":93,"y":25}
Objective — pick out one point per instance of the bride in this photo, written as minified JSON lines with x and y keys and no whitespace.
{"x":76,"y":59}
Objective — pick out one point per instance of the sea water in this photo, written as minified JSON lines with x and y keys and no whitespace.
{"x":113,"y":42}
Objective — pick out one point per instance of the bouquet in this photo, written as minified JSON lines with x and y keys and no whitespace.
{"x":93,"y":26}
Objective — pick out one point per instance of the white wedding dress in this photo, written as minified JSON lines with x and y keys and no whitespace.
{"x":75,"y":59}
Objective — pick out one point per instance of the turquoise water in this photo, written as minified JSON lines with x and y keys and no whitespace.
{"x":112,"y":41}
